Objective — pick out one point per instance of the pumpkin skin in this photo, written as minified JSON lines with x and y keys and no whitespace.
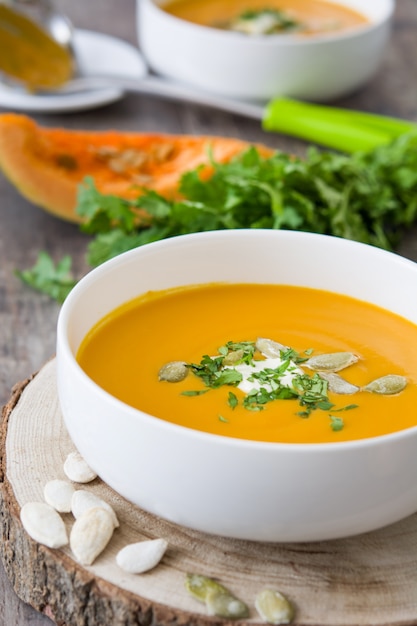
{"x":47,"y":164}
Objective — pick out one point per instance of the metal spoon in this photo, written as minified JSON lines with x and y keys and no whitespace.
{"x":155,"y":86}
{"x":48,"y":17}
{"x":61,"y":30}
{"x":36,"y":44}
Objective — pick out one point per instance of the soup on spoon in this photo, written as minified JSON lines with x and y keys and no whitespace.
{"x":30,"y":55}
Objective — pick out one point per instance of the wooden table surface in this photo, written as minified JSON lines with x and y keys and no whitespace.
{"x":27,"y":319}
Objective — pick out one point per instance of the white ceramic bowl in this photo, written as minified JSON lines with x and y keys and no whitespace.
{"x":229,"y":63}
{"x":220,"y":485}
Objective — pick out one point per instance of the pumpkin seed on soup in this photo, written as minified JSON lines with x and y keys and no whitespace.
{"x":233,"y":357}
{"x":337,"y":384}
{"x":270,"y":348}
{"x":332,"y":362}
{"x":173,"y":372}
{"x":387,"y":385}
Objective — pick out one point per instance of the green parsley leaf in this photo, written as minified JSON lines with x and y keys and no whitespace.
{"x":336,"y":423}
{"x":348,"y":407}
{"x":365,"y":196}
{"x":228,"y":377}
{"x":55,"y":280}
{"x":232,"y":400}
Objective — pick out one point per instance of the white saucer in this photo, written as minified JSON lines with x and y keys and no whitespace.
{"x":96,"y":54}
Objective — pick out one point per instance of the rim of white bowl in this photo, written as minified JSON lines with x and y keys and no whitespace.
{"x":121,"y":259}
{"x":286,"y":40}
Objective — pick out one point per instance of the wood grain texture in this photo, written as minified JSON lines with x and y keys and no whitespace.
{"x":27,"y":320}
{"x":368,"y":579}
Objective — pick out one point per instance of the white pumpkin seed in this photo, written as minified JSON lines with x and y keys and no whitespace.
{"x":387,"y":385}
{"x":332,"y":362}
{"x":140,"y":557}
{"x":44,"y":524}
{"x":173,"y":372}
{"x":274,"y":607}
{"x":225,"y":605}
{"x":337,"y":384}
{"x":58,"y":493}
{"x":90,"y":534}
{"x":82,"y":500}
{"x":269,"y":348}
{"x":77,"y":469}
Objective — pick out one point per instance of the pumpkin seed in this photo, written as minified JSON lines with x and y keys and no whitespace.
{"x":200,"y":586}
{"x":90,"y":534}
{"x":58,"y":493}
{"x":274,"y":607}
{"x":82,"y":500}
{"x":141,"y":179}
{"x":232,"y":357}
{"x":219,"y":601}
{"x":337,"y":384}
{"x":162,"y":152}
{"x":105,"y":151}
{"x":77,"y":469}
{"x":332,"y":362}
{"x":44,"y":524}
{"x":269,"y":348}
{"x":387,"y":385}
{"x":136,"y":558}
{"x":173,"y":372}
{"x":225,"y":605}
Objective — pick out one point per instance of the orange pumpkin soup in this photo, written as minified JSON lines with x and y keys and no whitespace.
{"x":344,"y":369}
{"x":267,"y":17}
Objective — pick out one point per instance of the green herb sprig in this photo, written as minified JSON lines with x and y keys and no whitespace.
{"x":310,"y":391}
{"x":369,"y":197}
{"x":55,"y":280}
{"x":280,"y":21}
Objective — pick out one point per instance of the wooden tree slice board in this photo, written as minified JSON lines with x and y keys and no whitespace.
{"x":367,"y":580}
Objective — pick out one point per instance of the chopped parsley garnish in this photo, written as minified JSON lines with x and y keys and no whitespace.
{"x":232,"y":400}
{"x":311,"y":391}
{"x":336,"y":423}
{"x":271,"y":21}
{"x":213,"y":374}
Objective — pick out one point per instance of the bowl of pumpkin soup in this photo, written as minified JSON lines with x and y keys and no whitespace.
{"x":254,"y":384}
{"x":261,"y":49}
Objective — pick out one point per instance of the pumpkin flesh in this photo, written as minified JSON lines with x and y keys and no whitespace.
{"x":47,"y":164}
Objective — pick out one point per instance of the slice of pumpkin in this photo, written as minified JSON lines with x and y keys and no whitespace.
{"x":47,"y":164}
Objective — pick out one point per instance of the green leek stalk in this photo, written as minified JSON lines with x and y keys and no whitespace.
{"x":341,"y":129}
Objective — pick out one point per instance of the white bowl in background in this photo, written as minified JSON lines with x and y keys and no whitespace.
{"x":220,"y":485}
{"x":316,"y":68}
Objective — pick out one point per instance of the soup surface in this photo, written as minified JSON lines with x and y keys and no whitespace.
{"x":124,"y":354}
{"x":260,"y":17}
